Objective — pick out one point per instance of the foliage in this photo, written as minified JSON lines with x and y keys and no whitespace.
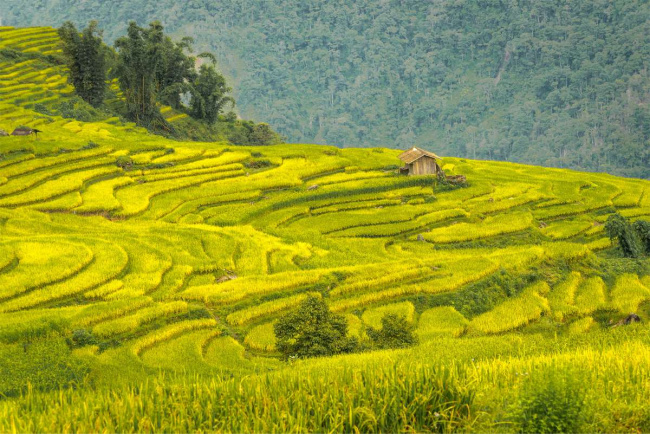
{"x":395,"y":332}
{"x":82,"y":337}
{"x":166,"y":264}
{"x":44,"y":364}
{"x":553,"y":404}
{"x":373,"y":399}
{"x":209,"y":94}
{"x":313,"y":331}
{"x":642,"y":229}
{"x":549,"y":83}
{"x":86,"y":56}
{"x":140,"y":67}
{"x":35,"y":75}
{"x":619,"y":229}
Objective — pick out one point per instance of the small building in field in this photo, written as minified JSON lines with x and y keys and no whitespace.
{"x":420,"y":162}
{"x":23,"y":131}
{"x":3,"y":133}
{"x":26,"y":131}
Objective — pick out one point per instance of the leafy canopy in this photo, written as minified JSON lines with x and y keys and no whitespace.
{"x":395,"y":332}
{"x":618,"y":228}
{"x":85,"y":54}
{"x":313,"y":331}
{"x":642,"y":229}
{"x":555,"y":83}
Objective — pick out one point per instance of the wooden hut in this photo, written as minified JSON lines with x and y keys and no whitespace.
{"x":420,"y":162}
{"x":23,"y":131}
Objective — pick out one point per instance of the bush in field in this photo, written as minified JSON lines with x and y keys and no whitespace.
{"x":551,"y":403}
{"x":642,"y":229}
{"x":313,"y":331}
{"x":82,"y":337}
{"x":395,"y":332}
{"x":618,"y":228}
{"x":45,"y":364}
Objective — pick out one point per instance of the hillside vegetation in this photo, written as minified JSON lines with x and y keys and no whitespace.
{"x":148,"y":273}
{"x":36,"y":74}
{"x":555,"y":83}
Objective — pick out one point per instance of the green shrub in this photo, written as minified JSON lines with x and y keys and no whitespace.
{"x":642,"y":229}
{"x":90,"y":145}
{"x":70,"y":110}
{"x":257,"y":164}
{"x":313,"y":331}
{"x":551,"y":402}
{"x":231,"y":116}
{"x":124,"y":162}
{"x":45,"y":364}
{"x":81,"y":338}
{"x":42,"y":108}
{"x":395,"y":332}
{"x":618,"y":228}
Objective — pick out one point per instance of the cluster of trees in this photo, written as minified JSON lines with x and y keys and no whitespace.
{"x":151,"y":70}
{"x":313,"y":331}
{"x":87,"y":60}
{"x":548,"y":82}
{"x":633,"y":238}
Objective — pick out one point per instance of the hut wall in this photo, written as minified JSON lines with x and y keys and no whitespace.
{"x":424,"y":166}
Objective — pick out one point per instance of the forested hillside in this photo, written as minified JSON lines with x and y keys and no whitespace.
{"x":550,"y":82}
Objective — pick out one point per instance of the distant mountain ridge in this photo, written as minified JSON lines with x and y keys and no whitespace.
{"x":556,"y":83}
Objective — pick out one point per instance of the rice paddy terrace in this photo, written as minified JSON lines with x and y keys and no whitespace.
{"x":180,"y":256}
{"x":41,"y":81}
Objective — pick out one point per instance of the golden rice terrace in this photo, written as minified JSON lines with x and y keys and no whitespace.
{"x":181,"y":255}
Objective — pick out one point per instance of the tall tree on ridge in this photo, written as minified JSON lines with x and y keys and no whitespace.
{"x":86,"y":58}
{"x":136,"y":72}
{"x":209,"y":94}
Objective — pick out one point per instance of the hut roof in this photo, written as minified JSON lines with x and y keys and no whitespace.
{"x":415,"y":154}
{"x":22,"y":131}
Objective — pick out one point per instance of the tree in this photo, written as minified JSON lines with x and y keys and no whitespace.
{"x":313,"y":331}
{"x":642,"y":229}
{"x":209,"y":95}
{"x":263,"y":135}
{"x":395,"y":332}
{"x":177,"y":70}
{"x":153,"y":69}
{"x":86,"y":58}
{"x":618,"y":228}
{"x":137,"y":69}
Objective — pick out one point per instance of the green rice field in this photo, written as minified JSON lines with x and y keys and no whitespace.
{"x":160,"y":282}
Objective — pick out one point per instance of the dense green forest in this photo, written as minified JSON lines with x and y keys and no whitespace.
{"x":552,"y":82}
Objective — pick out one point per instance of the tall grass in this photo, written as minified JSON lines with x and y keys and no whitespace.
{"x":393,"y":399}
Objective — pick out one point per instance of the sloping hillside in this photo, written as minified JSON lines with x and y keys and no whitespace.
{"x":554,"y":83}
{"x":179,"y":256}
{"x":174,"y":220}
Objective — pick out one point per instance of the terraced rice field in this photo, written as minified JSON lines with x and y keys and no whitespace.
{"x":184,"y":258}
{"x":42,"y":81}
{"x":191,"y":229}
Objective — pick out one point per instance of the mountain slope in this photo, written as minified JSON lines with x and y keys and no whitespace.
{"x":284,"y":219}
{"x":148,"y":273}
{"x":561,"y":84}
